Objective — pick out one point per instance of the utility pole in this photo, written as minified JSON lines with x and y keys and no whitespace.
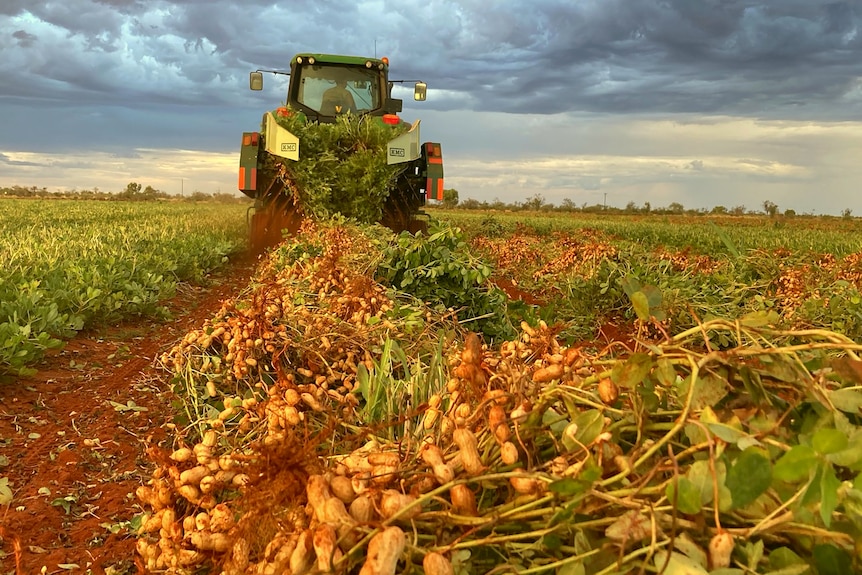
{"x":182,"y":187}
{"x":606,"y":200}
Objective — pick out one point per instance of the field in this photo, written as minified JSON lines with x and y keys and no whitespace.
{"x":585,"y":268}
{"x":69,"y":265}
{"x":531,"y":393}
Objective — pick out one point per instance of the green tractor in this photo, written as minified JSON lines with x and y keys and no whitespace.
{"x":322,"y":89}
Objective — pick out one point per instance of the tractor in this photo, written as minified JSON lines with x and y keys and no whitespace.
{"x":322,"y":88}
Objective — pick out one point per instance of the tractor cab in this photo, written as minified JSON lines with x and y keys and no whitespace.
{"x":324,"y":86}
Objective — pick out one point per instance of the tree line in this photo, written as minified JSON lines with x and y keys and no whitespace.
{"x":537,"y":203}
{"x":134,"y":192}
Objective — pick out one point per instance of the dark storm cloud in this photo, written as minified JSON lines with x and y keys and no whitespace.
{"x":763,"y":58}
{"x":795,"y":59}
{"x":25,"y":40}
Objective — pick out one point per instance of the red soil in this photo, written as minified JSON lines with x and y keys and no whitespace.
{"x":74,"y":459}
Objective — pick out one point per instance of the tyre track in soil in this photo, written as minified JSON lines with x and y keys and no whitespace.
{"x":73,"y":459}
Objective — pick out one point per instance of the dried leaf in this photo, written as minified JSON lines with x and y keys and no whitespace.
{"x":630,"y":527}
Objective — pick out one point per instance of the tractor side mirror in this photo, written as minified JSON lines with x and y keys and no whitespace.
{"x":255,"y":81}
{"x":420,"y":90}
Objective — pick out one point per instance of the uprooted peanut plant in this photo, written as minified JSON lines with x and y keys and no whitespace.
{"x":333,"y":423}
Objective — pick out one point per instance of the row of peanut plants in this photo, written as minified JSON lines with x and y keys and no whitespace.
{"x":586,"y":270}
{"x":367,"y":405}
{"x":70,"y":265}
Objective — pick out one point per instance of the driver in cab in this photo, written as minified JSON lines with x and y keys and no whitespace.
{"x":337,"y":100}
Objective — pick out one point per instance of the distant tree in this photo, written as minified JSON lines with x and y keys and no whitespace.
{"x":631,"y":208}
{"x":150,"y":193}
{"x":450,"y":198}
{"x":133,"y":188}
{"x":770,"y":208}
{"x":647,"y":207}
{"x":738,"y":210}
{"x":469,"y":204}
{"x":676,"y":208}
{"x":568,"y":205}
{"x":497,"y":204}
{"x":719,"y":210}
{"x":535,"y":202}
{"x":846,"y":213}
{"x":788,"y":213}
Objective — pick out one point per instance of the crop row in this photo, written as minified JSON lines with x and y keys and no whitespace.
{"x":587,"y":272}
{"x":71,"y":265}
{"x":706,"y":236}
{"x":336,"y":423}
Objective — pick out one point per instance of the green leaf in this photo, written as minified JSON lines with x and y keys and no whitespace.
{"x":812,"y":493}
{"x":828,"y":440}
{"x":689,"y":496}
{"x":796,"y":464}
{"x":64,"y":502}
{"x":567,"y":487}
{"x":727,"y":433}
{"x":364,"y":379}
{"x":664,"y":372}
{"x":783,"y":557}
{"x":725,"y":239}
{"x":702,"y":477}
{"x":571,"y":486}
{"x":640,"y":303}
{"x":654,"y":297}
{"x":630,"y":285}
{"x":632,"y":371}
{"x":850,"y":457}
{"x":678,"y":564}
{"x":829,"y":485}
{"x":590,"y":424}
{"x":573,"y":568}
{"x":753,"y":384}
{"x":830,"y":560}
{"x":754,"y":553}
{"x":847,"y":400}
{"x":749,"y":478}
{"x":552,"y":541}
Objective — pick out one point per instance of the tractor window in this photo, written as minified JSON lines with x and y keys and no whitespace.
{"x":331,"y":90}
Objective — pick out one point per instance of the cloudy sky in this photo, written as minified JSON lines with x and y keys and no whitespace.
{"x":700,"y":102}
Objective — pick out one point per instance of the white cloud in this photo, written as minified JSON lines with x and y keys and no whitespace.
{"x":172,"y":171}
{"x":737,"y":161}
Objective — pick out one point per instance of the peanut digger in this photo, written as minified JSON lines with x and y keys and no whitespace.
{"x":337,"y":146}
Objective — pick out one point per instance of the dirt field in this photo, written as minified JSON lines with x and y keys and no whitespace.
{"x":73,"y":438}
